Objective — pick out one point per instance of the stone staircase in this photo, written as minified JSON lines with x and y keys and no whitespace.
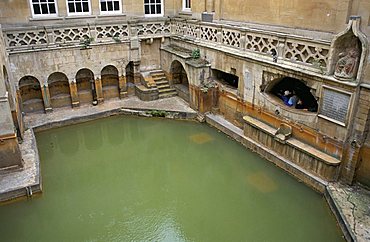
{"x":163,"y":85}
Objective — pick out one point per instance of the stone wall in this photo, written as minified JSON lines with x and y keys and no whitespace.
{"x":69,"y":61}
{"x":9,"y":149}
{"x":23,"y":13}
{"x":363,"y":123}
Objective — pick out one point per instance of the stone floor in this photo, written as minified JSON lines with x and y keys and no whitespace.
{"x":353,"y":204}
{"x":174,"y":104}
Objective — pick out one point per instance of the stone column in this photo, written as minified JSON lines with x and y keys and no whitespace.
{"x":210,"y":6}
{"x":74,"y":94}
{"x":46,"y":98}
{"x":137,"y":76}
{"x":122,"y":87}
{"x":99,"y":90}
{"x":19,"y":113}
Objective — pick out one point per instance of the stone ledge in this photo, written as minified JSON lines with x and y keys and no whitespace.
{"x":15,"y":184}
{"x":327,"y":159}
{"x":236,"y":133}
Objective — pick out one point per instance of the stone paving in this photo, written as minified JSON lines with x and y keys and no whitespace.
{"x":353,"y":204}
{"x":174,"y":104}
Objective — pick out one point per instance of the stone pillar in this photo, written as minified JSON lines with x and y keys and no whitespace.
{"x":46,"y":98}
{"x":210,"y":6}
{"x":19,"y":113}
{"x":122,"y":87}
{"x":99,"y":90}
{"x":74,"y":94}
{"x":137,"y":76}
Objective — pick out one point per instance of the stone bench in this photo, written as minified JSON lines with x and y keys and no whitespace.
{"x":304,"y":155}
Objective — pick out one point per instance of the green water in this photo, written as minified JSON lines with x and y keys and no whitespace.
{"x":131,"y":179}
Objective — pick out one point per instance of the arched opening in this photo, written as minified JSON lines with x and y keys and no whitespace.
{"x":293,"y":93}
{"x":60,"y":95}
{"x":85,"y":86}
{"x":180,"y":80}
{"x":31,"y":94}
{"x":110,"y":82}
{"x":130,"y":73}
{"x":228,"y":80}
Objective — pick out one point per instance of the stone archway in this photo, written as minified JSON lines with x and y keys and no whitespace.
{"x":31,"y":94}
{"x":180,"y":80}
{"x":287,"y":87}
{"x":110,"y":82}
{"x":85,"y":86}
{"x":130,"y":73}
{"x":59,"y":90}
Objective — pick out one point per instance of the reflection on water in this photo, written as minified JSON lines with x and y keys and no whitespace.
{"x":130,"y":179}
{"x":262,"y":182}
{"x":92,"y":136}
{"x":201,"y":138}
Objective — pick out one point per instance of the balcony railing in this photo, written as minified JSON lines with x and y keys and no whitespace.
{"x":294,"y":51}
{"x":264,"y":45}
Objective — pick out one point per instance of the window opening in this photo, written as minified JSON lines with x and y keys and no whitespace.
{"x":295,"y":94}
{"x":44,"y":7}
{"x":153,"y":7}
{"x":78,"y":7}
{"x":186,"y":5}
{"x":110,"y":6}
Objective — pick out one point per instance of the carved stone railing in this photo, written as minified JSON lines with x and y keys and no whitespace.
{"x":34,"y":38}
{"x":261,"y":44}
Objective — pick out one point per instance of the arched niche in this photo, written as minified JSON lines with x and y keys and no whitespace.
{"x":85,"y":85}
{"x":110,"y":82}
{"x":59,"y":90}
{"x":304,"y":99}
{"x":178,"y":73}
{"x":180,"y":80}
{"x":31,"y":94}
{"x":348,"y":53}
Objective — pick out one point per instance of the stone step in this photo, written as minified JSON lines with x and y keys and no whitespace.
{"x":163,"y":86}
{"x":164,"y":82}
{"x":157,"y":79}
{"x":166,"y":90}
{"x":155,"y":75}
{"x":166,"y":95}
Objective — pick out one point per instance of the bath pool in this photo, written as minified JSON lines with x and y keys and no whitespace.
{"x":136,"y":179}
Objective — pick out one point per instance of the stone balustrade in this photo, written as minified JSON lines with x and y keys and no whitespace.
{"x":309,"y":54}
{"x":42,"y":37}
{"x":261,"y":44}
